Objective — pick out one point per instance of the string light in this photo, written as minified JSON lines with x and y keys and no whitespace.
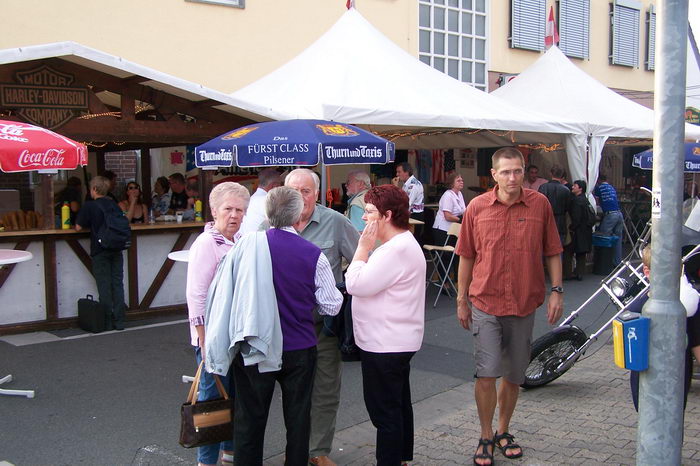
{"x":90,"y":116}
{"x":139,"y":108}
{"x":542,"y":147}
{"x":104,"y":144}
{"x":415,"y":134}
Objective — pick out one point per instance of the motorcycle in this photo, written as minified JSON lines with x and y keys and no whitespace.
{"x":556,"y":352}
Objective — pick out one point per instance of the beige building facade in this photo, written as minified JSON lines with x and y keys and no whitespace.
{"x":226,"y":44}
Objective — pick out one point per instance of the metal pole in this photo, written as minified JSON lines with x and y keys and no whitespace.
{"x":660,"y":430}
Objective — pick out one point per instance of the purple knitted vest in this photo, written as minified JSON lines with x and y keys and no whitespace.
{"x":294,"y":262}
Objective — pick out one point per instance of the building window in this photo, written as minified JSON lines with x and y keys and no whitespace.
{"x":624,"y":32}
{"x":651,"y":38}
{"x":233,"y":3}
{"x":452,"y":38}
{"x":527,"y":24}
{"x":574,"y":26}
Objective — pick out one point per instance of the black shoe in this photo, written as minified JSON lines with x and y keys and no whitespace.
{"x":118,"y":326}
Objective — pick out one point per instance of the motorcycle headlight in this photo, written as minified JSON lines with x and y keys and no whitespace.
{"x":619,"y":287}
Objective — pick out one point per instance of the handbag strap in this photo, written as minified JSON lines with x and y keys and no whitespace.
{"x":194,"y":389}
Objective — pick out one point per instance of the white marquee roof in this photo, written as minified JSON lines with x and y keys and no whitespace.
{"x":354,"y":74}
{"x":554,"y":85}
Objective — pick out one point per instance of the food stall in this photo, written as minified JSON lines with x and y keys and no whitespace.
{"x":108,"y":104}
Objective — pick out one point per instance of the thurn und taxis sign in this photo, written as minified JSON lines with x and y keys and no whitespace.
{"x":44,"y":96}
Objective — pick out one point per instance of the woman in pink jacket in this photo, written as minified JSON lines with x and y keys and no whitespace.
{"x":228,"y":202}
{"x":388,"y":307}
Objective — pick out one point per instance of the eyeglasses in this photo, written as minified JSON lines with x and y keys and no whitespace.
{"x":132,"y":187}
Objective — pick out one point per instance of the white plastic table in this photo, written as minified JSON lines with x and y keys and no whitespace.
{"x":13,"y":256}
{"x":180,"y":256}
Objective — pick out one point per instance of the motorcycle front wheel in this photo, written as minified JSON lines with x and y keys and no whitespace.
{"x":549,"y":351}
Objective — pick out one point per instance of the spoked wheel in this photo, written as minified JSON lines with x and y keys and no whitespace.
{"x":550,"y":350}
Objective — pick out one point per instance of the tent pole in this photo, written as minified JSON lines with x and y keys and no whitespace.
{"x":324,"y":182}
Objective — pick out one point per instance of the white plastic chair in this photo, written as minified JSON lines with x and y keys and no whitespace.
{"x":435,"y":257}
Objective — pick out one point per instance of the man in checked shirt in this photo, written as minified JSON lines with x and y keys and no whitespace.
{"x":505,"y":233}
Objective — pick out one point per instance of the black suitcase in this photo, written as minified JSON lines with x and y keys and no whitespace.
{"x":91,"y":316}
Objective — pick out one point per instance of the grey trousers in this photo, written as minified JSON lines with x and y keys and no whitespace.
{"x":325,"y":398}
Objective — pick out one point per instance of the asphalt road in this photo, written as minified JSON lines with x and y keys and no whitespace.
{"x":114,"y":398}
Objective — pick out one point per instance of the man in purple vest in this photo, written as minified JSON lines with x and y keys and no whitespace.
{"x":303,"y":281}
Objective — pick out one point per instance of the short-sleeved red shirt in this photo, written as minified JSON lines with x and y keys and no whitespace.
{"x":507,"y":244}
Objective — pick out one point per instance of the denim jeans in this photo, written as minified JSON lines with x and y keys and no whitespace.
{"x":612,"y":224}
{"x":209,"y":454}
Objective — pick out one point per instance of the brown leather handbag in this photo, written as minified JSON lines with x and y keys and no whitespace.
{"x":205,"y":422}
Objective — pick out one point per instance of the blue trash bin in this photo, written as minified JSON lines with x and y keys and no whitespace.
{"x":603,"y":253}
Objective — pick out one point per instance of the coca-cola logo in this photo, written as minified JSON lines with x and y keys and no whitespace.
{"x":12,"y":133}
{"x":51,"y":158}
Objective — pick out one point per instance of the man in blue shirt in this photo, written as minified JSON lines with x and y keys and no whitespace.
{"x":612,"y":222}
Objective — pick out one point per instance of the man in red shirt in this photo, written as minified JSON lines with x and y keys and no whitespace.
{"x":505,"y":233}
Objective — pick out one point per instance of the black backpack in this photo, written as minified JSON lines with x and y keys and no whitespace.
{"x":114,"y":233}
{"x":592,"y":218}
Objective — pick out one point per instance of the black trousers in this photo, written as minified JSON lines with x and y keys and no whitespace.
{"x":108,"y":270}
{"x":252,"y":405}
{"x":387,"y":392}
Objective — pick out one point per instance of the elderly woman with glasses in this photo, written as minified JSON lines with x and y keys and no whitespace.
{"x":132,"y":205}
{"x":228,"y":202}
{"x":388,"y":290}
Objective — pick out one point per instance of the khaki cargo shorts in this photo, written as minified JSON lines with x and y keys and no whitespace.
{"x":501,"y":345}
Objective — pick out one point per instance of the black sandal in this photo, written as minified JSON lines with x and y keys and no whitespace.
{"x":510,"y":445}
{"x":484,"y":444}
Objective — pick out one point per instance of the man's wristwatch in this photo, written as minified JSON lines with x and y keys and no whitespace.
{"x":557,"y":289}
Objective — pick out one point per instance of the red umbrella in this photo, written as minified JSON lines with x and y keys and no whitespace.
{"x":25,"y":147}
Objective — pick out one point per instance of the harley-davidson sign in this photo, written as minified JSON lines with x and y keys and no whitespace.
{"x":44,"y":96}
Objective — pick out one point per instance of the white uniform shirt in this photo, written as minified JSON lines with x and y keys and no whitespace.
{"x":414,"y":189}
{"x":451,"y":202}
{"x":255,"y":215}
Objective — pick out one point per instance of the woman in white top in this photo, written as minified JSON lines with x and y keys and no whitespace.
{"x":451,"y":208}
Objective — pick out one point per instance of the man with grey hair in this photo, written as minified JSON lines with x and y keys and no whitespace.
{"x":337,"y":238}
{"x":268,"y":179}
{"x":357,"y":184}
{"x":303,"y":282}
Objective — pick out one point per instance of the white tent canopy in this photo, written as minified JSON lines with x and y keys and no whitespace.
{"x":553,"y":85}
{"x":354,"y":74}
{"x":121,"y":68}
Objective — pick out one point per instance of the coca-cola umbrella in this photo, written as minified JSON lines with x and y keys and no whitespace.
{"x":25,"y":147}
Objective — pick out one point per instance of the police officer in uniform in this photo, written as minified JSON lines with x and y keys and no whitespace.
{"x":414,"y":190}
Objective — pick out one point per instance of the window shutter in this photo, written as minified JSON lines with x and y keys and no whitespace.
{"x":527,"y":24}
{"x":651,"y":39}
{"x":574,"y":26}
{"x":625,"y":33}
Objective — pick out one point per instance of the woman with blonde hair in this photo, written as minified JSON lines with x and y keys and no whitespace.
{"x":228,"y":202}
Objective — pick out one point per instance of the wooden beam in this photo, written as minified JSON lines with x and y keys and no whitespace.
{"x":206,"y":185}
{"x":133,"y":273}
{"x":163,"y":272}
{"x":108,"y":129}
{"x":46,"y":202}
{"x":50,"y":279}
{"x":100,"y":163}
{"x":146,"y":174}
{"x":80,"y":253}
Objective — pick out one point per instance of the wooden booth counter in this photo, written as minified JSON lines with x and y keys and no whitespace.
{"x":43,"y":293}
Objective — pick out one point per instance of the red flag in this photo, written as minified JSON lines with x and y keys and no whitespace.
{"x":350,"y":4}
{"x":552,"y":35}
